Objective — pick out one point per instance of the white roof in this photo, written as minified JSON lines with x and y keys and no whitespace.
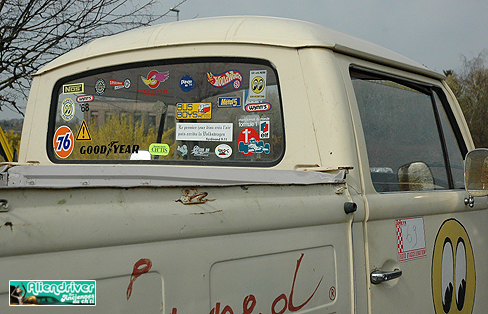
{"x":270,"y":31}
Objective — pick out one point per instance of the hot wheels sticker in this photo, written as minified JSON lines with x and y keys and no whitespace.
{"x":249,"y":143}
{"x":63,"y":142}
{"x":221,"y":80}
{"x":154,"y":78}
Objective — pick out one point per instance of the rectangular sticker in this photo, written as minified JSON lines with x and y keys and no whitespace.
{"x":257,"y":84}
{"x":205,"y":132}
{"x":52,"y":292}
{"x":410,"y":238}
{"x":73,"y":88}
{"x":194,"y":110}
{"x":228,"y":102}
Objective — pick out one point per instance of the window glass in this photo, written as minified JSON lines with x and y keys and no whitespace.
{"x":402,"y":134}
{"x":454,"y":152}
{"x":198,"y":111}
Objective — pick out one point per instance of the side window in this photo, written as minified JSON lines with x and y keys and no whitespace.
{"x":407,"y":133}
{"x":206,"y":111}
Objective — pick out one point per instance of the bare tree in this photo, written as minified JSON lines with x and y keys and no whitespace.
{"x":470,"y":85}
{"x":33,"y":32}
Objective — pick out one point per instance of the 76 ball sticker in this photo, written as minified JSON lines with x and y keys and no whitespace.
{"x":63,"y":142}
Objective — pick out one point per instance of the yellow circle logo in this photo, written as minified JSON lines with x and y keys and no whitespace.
{"x":453,"y":272}
{"x":257,"y":84}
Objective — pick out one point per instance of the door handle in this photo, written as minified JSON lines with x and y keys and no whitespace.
{"x":379,"y":276}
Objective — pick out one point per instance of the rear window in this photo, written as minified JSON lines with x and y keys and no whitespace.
{"x":189,"y":111}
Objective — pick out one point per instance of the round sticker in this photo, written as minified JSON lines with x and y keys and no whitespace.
{"x":63,"y":142}
{"x":100,"y":86}
{"x":257,"y":84}
{"x":187,"y":83}
{"x":453,"y":272}
{"x":223,"y":151}
{"x":67,"y":109}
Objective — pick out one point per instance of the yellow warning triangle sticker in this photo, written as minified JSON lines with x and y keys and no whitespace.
{"x":83,"y":133}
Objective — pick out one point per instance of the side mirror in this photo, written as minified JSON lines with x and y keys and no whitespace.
{"x":415,"y":176}
{"x":476,"y":172}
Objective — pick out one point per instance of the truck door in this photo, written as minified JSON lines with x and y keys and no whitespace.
{"x":423,"y":246}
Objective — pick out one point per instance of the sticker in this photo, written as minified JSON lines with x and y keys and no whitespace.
{"x":100,"y":86}
{"x":154,"y":78}
{"x":221,"y":80}
{"x":183,"y":149}
{"x":223,"y":151}
{"x":112,"y":147}
{"x":84,"y":107}
{"x":63,"y":142}
{"x":85,"y":98}
{"x":83,"y":133}
{"x":73,"y":88}
{"x":187,"y":83}
{"x":68,"y":109}
{"x":228,"y":102}
{"x":250,"y":121}
{"x":453,"y":271}
{"x":194,"y":110}
{"x":159,"y":149}
{"x":142,"y":266}
{"x":264,"y":106}
{"x":410,"y":238}
{"x":257,"y":84}
{"x":52,"y":292}
{"x":153,"y":92}
{"x":264,"y":128}
{"x":248,"y":143}
{"x":205,"y":132}
{"x":200,"y":151}
{"x":119,"y":84}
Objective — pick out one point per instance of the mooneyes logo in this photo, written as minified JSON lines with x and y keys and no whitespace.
{"x":52,"y":292}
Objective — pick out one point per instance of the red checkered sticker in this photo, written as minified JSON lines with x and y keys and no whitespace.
{"x":410,"y":238}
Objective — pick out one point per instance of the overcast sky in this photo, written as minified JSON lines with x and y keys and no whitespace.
{"x":432,"y":32}
{"x":435,"y":33}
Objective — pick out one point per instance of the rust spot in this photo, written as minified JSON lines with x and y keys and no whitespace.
{"x":192,"y":196}
{"x":9,"y":224}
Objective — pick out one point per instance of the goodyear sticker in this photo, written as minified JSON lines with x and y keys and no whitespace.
{"x":67,"y":109}
{"x":194,"y":110}
{"x":73,"y":88}
{"x":257,"y":84}
{"x":228,"y":102}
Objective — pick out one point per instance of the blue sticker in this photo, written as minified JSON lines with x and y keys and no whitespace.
{"x":253,"y":147}
{"x":187,"y":83}
{"x":228,"y":102}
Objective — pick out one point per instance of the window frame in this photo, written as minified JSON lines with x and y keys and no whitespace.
{"x":155,"y":162}
{"x":427,"y":89}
